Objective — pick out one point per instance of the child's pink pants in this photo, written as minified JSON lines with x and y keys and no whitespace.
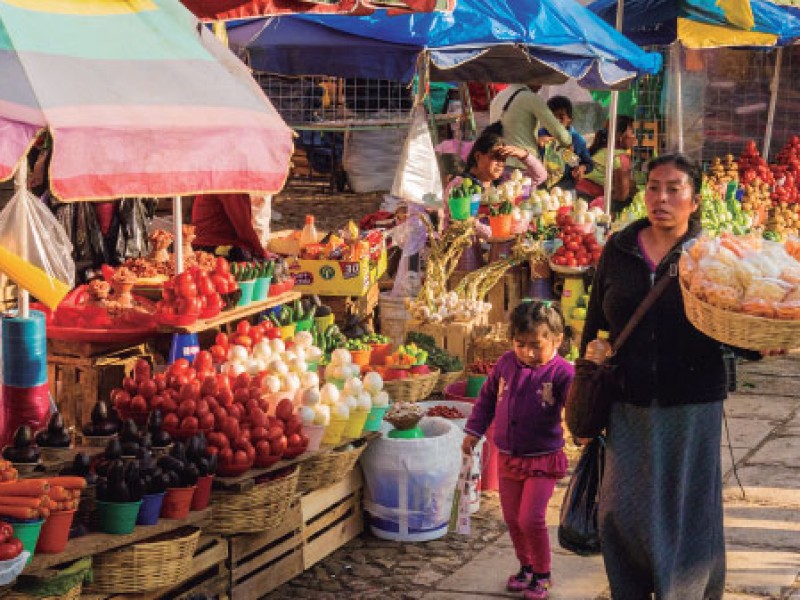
{"x":524,"y":504}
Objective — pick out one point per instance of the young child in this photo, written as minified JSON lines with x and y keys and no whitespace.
{"x":524,"y":396}
{"x":561,"y":107}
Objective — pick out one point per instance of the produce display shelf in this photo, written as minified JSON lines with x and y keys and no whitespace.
{"x":228,"y":316}
{"x":247,"y":480}
{"x":96,"y":543}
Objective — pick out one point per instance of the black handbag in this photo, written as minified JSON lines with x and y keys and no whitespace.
{"x":577,"y":526}
{"x":594,"y":386}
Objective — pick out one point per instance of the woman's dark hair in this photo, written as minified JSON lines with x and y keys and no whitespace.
{"x":600,"y":140}
{"x":490,"y":138}
{"x":684,"y":164}
{"x":531,"y":313}
{"x":560,"y":103}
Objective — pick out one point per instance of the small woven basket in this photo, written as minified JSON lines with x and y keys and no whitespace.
{"x":413,"y":389}
{"x":738,"y":329}
{"x":258,"y":509}
{"x":446,"y":379}
{"x":145,"y":566}
{"x":328,"y":468}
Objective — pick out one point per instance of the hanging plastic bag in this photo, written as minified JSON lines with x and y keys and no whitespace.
{"x":134,"y":216}
{"x":554,"y":162}
{"x":417,"y":178}
{"x":35,"y":251}
{"x":411,"y":236}
{"x":577,"y":529}
{"x":459,"y":518}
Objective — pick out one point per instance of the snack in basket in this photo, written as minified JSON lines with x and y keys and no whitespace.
{"x":744,"y":274}
{"x":404,"y":415}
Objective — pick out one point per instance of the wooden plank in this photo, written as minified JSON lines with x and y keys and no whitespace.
{"x":242,"y":546}
{"x":96,"y":543}
{"x":228,"y":316}
{"x":313,"y":503}
{"x":332,"y":515}
{"x":265,"y":558}
{"x":333,"y":539}
{"x":286,"y":568}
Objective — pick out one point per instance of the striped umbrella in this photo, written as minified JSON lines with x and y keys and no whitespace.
{"x":243,"y":9}
{"x":140,"y":99}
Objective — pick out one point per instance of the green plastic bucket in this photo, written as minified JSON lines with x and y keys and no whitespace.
{"x":406,"y":434}
{"x":474,"y":385}
{"x":375,"y":418}
{"x":304,"y":325}
{"x":261,"y":289}
{"x":460,"y":208}
{"x":118,"y":517}
{"x":28,"y":534}
{"x":247,"y":288}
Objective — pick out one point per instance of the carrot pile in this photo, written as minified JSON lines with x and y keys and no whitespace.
{"x":7,"y":471}
{"x":37,"y":498}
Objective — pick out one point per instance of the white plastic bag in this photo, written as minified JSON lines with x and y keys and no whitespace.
{"x":370,"y":158}
{"x":417,"y":178}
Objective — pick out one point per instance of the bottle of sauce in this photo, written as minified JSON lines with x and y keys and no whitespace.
{"x":599,"y":349}
{"x":308,"y":235}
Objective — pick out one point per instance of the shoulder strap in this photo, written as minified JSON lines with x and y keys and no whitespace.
{"x":645,"y":305}
{"x":511,"y":99}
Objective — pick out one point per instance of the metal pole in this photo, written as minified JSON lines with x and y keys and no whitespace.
{"x":773,"y":101}
{"x":21,"y":185}
{"x":677,"y":54}
{"x":177,"y":217}
{"x":612,"y":129}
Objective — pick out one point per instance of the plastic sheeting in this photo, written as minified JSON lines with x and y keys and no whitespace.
{"x":417,"y":178}
{"x":371,"y":158}
{"x":410,"y":483}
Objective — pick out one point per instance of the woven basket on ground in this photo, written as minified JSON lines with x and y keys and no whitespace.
{"x":412,"y":389}
{"x":491,"y":346}
{"x":73,"y":593}
{"x":327,"y":468}
{"x":739,"y":329}
{"x":446,"y":379}
{"x":163,"y":561}
{"x":258,"y":509}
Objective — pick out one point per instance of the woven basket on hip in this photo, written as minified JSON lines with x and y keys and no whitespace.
{"x":739,"y":329}
{"x":412,"y":389}
{"x":446,"y":379}
{"x":163,"y":561}
{"x":327,"y":468}
{"x":261,"y":508}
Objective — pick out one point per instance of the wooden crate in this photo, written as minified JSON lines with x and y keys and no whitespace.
{"x":456,"y":338}
{"x":332,"y":517}
{"x":507,"y":294}
{"x":360,"y":306}
{"x":263,"y":561}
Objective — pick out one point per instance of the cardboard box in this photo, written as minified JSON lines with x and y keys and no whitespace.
{"x":336,"y":277}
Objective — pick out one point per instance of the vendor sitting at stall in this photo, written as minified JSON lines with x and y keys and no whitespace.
{"x":591,"y":187}
{"x":234,"y":225}
{"x":486,"y":166}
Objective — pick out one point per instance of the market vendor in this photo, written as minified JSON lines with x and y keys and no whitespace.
{"x":486,"y":166}
{"x":238,"y":223}
{"x":593,"y":184}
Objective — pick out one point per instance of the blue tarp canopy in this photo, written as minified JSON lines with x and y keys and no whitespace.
{"x":658,"y":22}
{"x":537,"y":41}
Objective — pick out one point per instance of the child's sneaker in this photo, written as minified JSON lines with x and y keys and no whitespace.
{"x":520,"y":581}
{"x":539,"y":589}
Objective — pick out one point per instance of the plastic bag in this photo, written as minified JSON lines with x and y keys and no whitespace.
{"x":134,"y":216}
{"x":370,"y":158}
{"x":554,"y":163}
{"x":411,"y":236}
{"x":37,"y":254}
{"x":417,"y":178}
{"x":577,"y":529}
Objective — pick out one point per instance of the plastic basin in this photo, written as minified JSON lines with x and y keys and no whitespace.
{"x":55,"y":532}
{"x":202,"y":495}
{"x":247,"y":288}
{"x":28,"y":533}
{"x":375,"y":418}
{"x":150,"y":509}
{"x":261,"y":289}
{"x":177,"y":503}
{"x":118,"y":518}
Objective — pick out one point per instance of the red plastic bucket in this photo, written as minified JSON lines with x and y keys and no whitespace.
{"x":177,"y":503}
{"x":202,"y":495}
{"x":55,"y":532}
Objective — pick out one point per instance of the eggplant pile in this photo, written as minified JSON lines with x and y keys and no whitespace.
{"x":104,"y":421}
{"x":23,"y":448}
{"x":185,"y":463}
{"x":56,"y":434}
{"x":81,"y":467}
{"x":160,"y":438}
{"x":123,"y":482}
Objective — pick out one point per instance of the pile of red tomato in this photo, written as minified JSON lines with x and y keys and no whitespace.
{"x":10,"y":546}
{"x":197,"y":293}
{"x":578,"y":249}
{"x":787,"y":173}
{"x":752,"y":166}
{"x":246,"y":335}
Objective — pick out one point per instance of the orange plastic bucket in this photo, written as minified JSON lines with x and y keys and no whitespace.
{"x":55,"y":532}
{"x":361,"y":357}
{"x":379,"y":353}
{"x":500,"y":225}
{"x":177,"y":503}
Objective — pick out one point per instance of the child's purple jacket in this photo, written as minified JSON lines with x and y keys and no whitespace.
{"x":527,"y":412}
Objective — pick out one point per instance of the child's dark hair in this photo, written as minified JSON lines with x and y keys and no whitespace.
{"x":560,"y":103}
{"x":530,"y":313}
{"x":488,"y":140}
